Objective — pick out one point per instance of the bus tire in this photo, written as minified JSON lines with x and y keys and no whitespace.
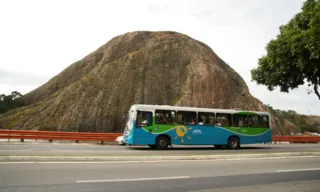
{"x":162,"y":142}
{"x":233,"y":142}
{"x":152,"y":146}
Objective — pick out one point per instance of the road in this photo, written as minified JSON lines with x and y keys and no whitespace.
{"x":36,"y":148}
{"x":278,"y":174}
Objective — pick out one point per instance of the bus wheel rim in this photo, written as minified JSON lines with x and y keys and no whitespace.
{"x":233,"y":143}
{"x":162,"y":143}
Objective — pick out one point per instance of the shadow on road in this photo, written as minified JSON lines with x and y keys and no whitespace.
{"x":190,"y":148}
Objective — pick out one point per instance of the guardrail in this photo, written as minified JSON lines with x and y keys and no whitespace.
{"x":55,"y":135}
{"x":296,"y":139}
{"x":110,"y":137}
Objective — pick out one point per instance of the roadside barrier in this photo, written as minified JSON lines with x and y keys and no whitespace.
{"x":111,"y":137}
{"x":55,"y":135}
{"x":296,"y":139}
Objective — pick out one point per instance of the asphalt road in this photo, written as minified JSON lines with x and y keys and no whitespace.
{"x":289,"y":174}
{"x":36,"y":148}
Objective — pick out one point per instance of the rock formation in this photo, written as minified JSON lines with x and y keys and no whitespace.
{"x":138,"y":67}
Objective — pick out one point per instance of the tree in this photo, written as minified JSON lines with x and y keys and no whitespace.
{"x":15,"y":95}
{"x":8,"y":102}
{"x":293,"y":58}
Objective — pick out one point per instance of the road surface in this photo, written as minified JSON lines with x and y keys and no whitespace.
{"x":35,"y":148}
{"x":278,"y":174}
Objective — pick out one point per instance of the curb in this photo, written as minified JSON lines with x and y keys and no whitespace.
{"x":156,"y":158}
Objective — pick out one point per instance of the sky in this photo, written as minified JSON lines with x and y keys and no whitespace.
{"x":38,"y":39}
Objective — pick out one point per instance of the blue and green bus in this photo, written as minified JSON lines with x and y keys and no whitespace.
{"x":160,"y":126}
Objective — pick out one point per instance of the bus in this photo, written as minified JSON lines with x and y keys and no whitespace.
{"x":161,"y":126}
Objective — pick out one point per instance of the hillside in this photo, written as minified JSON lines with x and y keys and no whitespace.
{"x":138,"y":67}
{"x":292,"y":122}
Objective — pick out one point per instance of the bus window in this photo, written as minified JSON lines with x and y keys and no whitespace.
{"x":144,"y":118}
{"x":223,"y":119}
{"x":186,"y":117}
{"x":165,"y":117}
{"x":254,"y":121}
{"x":265,"y":121}
{"x":206,"y":118}
{"x":240,"y":120}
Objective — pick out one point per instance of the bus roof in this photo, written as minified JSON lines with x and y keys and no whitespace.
{"x":177,"y":108}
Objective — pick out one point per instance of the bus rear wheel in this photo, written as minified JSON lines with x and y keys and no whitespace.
{"x":233,"y":143}
{"x":162,"y":142}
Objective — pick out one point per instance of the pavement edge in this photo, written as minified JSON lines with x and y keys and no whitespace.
{"x":157,"y":158}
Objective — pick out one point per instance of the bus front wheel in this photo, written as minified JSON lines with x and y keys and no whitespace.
{"x":162,"y":142}
{"x":233,"y":143}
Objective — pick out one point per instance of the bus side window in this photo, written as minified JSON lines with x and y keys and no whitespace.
{"x":223,"y":119}
{"x":265,"y":121}
{"x":144,"y":118}
{"x":254,"y":121}
{"x":165,"y":117}
{"x":186,"y":117}
{"x":206,"y":118}
{"x":240,"y":120}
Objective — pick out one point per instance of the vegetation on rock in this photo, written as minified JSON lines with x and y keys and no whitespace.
{"x":292,"y":122}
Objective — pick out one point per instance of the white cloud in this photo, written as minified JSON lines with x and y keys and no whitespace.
{"x":44,"y":37}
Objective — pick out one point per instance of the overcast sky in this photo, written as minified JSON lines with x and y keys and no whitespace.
{"x":38,"y":39}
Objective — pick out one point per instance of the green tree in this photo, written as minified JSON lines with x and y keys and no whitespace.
{"x":293,"y":58}
{"x":8,"y":102}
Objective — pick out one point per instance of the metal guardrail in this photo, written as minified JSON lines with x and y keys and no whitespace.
{"x":111,"y":137}
{"x":55,"y":135}
{"x":296,"y":139}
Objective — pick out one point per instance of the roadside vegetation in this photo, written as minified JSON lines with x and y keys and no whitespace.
{"x":293,"y":57}
{"x":12,"y":101}
{"x":296,"y":123}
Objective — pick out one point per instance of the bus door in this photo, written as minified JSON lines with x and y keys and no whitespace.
{"x":143,"y":124}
